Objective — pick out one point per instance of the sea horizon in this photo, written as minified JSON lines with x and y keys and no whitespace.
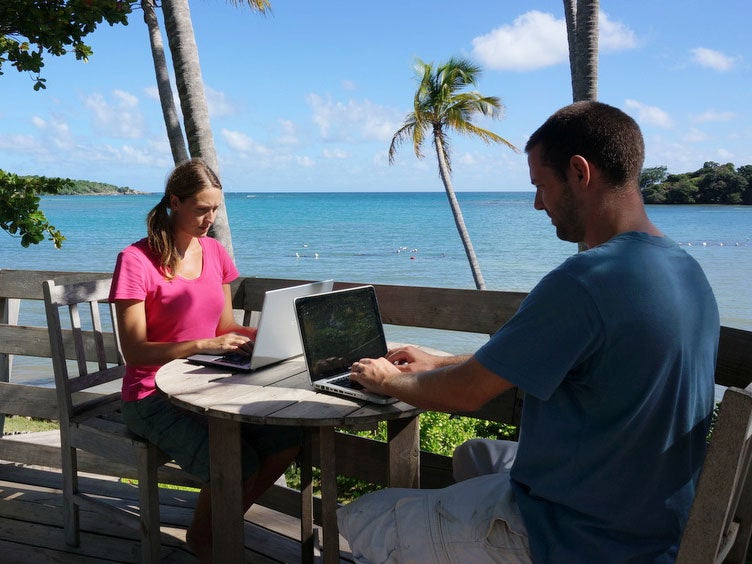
{"x":394,"y":237}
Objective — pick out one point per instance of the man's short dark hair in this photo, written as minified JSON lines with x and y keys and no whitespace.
{"x":602,"y":134}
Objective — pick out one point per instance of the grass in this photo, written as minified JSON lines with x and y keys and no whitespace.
{"x":15,"y":424}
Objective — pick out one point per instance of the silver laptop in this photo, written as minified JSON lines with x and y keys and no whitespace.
{"x":337,"y":329}
{"x":277,"y":338}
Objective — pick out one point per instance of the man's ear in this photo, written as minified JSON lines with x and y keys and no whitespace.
{"x":580,"y":170}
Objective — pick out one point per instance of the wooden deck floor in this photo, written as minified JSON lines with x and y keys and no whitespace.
{"x":31,"y":524}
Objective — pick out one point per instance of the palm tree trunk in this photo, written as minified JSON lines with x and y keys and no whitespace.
{"x":570,"y":17}
{"x":581,"y":18}
{"x":190,"y":85}
{"x":172,"y":122}
{"x":459,"y":220}
{"x":582,"y":35}
{"x":587,"y":50}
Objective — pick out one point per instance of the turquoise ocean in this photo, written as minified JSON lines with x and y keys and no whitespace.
{"x":393,"y":238}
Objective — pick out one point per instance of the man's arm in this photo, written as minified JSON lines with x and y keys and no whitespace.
{"x":465,"y":386}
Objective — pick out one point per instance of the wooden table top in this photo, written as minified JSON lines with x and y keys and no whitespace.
{"x":277,"y":395}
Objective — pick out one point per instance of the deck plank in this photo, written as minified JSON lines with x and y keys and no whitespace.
{"x":31,"y":524}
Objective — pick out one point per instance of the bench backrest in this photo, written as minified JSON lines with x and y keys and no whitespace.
{"x":719,"y":524}
{"x":23,"y":288}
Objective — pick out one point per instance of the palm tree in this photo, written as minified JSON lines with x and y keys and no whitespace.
{"x":164,"y":87}
{"x":582,"y":35}
{"x":440,"y":106}
{"x":182,"y":42}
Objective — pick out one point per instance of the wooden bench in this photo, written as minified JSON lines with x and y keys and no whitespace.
{"x":461,"y":310}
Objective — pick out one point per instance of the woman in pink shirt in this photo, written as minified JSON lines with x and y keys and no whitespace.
{"x":172,"y":295}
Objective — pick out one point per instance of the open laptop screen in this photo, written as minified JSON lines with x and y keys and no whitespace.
{"x":339,"y":328}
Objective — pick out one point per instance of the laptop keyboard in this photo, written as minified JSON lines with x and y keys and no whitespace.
{"x":345,"y":382}
{"x":235,"y":358}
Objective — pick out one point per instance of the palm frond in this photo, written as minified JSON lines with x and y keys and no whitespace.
{"x":440,"y":105}
{"x":485,"y":135}
{"x":263,"y":7}
{"x":403,"y":133}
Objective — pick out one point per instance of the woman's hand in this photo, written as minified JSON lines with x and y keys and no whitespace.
{"x":229,"y":342}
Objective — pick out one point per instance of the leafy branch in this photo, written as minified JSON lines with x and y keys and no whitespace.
{"x":29,"y":28}
{"x":20,"y":215}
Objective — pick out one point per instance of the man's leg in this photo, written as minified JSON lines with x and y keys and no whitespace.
{"x":476,"y":520}
{"x":479,"y":457}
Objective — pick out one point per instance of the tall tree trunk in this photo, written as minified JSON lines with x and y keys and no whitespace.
{"x":570,"y":17}
{"x":459,"y":220}
{"x":587,"y":50}
{"x":581,"y":18}
{"x":172,"y":122}
{"x":190,"y":86}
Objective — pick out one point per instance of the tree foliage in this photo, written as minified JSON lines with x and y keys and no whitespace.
{"x":20,"y":215}
{"x":31,"y":28}
{"x":714,"y":183}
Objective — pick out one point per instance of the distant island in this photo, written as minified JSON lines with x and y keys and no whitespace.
{"x":714,"y":183}
{"x":87,"y":187}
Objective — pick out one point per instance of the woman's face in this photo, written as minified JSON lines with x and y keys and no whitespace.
{"x":195,"y":215}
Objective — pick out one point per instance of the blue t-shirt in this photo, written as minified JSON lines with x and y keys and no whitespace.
{"x":616,"y":352}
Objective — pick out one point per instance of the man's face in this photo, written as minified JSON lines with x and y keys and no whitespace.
{"x":556,"y":197}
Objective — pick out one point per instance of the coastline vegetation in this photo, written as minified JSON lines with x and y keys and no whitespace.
{"x":714,"y":183}
{"x":84,"y":187}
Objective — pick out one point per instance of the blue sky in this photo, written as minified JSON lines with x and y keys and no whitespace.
{"x":308,"y":98}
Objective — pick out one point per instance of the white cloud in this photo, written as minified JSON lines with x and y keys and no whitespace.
{"x":713,"y":115}
{"x":335,"y":154}
{"x":537,"y":39}
{"x":614,"y":36}
{"x":121,"y":118}
{"x":305,"y":161}
{"x":694,"y":135}
{"x":126,"y":99}
{"x":352,"y":121}
{"x":135,"y":155}
{"x":467,"y":159}
{"x":534,"y":40}
{"x":651,"y":115}
{"x":710,"y":59}
{"x":289,"y":134}
{"x":152,"y":92}
{"x":219,"y":104}
{"x":19,"y":143}
{"x":243,"y":143}
{"x":725,"y":155}
{"x":55,"y":130}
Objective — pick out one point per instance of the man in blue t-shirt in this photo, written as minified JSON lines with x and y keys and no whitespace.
{"x":616,"y":352}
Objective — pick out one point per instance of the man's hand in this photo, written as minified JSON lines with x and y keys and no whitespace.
{"x":413,"y":359}
{"x":374,"y":373}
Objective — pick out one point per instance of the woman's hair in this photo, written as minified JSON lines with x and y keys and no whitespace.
{"x":600,"y":133}
{"x":186,"y":180}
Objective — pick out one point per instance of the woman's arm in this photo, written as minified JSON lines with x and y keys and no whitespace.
{"x":227,"y":323}
{"x":137,"y":349}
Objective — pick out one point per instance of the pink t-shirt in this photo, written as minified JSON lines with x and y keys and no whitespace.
{"x":176,"y":310}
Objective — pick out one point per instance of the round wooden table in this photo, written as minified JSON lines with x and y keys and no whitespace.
{"x":282,"y":395}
